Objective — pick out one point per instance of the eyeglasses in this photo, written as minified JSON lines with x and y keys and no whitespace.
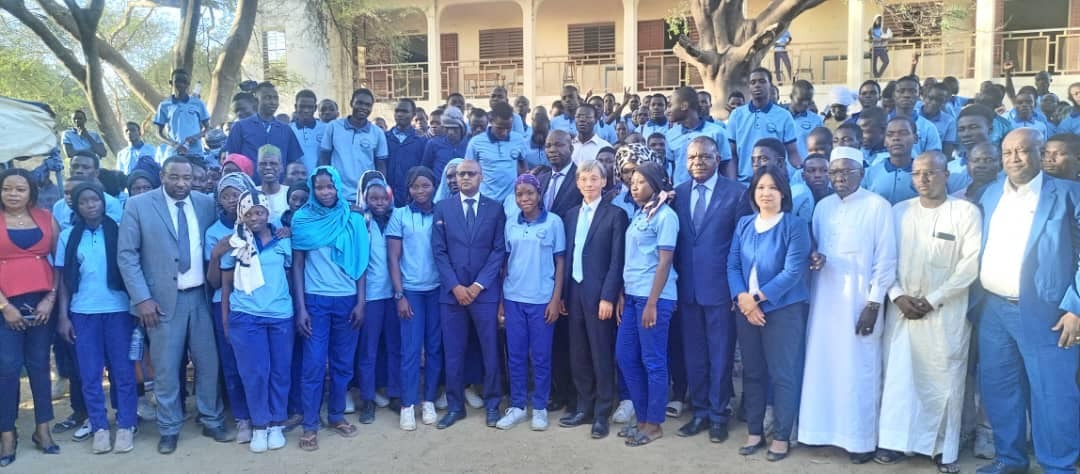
{"x":467,"y":174}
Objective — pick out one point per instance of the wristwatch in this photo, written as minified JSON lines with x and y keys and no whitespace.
{"x":398,"y":295}
{"x":757,"y":298}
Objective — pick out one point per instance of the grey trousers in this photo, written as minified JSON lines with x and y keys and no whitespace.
{"x":190,"y":323}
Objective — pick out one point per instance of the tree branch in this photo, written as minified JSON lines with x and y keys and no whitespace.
{"x":784,"y":11}
{"x":184,"y":48}
{"x":17,"y":9}
{"x":128,"y":10}
{"x":702,"y":12}
{"x":687,"y":51}
{"x":227,"y":71}
{"x":122,"y":45}
{"x":728,"y":19}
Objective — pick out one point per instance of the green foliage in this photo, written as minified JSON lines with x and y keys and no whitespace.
{"x":677,"y":19}
{"x":25,"y":76}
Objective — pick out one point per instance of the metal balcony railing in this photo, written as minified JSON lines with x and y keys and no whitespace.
{"x":1055,"y":50}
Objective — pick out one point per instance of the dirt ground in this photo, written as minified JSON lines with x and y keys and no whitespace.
{"x":468,"y":446}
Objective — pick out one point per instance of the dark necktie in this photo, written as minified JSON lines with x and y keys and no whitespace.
{"x":470,"y":214}
{"x":698,"y":216}
{"x":183,"y":242}
{"x":553,"y":188}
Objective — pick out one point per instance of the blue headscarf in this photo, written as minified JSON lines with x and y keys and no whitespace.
{"x":444,"y":189}
{"x":315,"y":226}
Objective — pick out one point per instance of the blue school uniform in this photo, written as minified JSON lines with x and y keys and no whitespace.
{"x":182,"y":119}
{"x":748,"y":124}
{"x":567,"y":124}
{"x":945,"y":124}
{"x":72,"y":137}
{"x":929,"y":139}
{"x":310,"y":138}
{"x":381,"y":322}
{"x":888,"y":181}
{"x":64,"y":215}
{"x":439,"y":151}
{"x":94,"y":295}
{"x":804,"y":123}
{"x":1070,"y":124}
{"x":324,"y":277}
{"x":645,"y":238}
{"x":129,"y":156}
{"x":272,"y":300}
{"x":248,"y":135}
{"x":651,"y":127}
{"x":498,"y":160}
{"x":1031,"y":122}
{"x":679,"y":137}
{"x":406,"y":150}
{"x":353,"y":150}
{"x":624,"y":201}
{"x":412,"y":227}
{"x":234,"y":385}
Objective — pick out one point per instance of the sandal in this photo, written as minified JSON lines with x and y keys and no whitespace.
{"x":888,"y":456}
{"x":628,"y":431}
{"x":345,"y":429}
{"x":950,"y":468}
{"x":639,"y":439}
{"x":309,"y":441}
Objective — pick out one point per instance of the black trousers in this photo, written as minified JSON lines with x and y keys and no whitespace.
{"x":592,"y":355}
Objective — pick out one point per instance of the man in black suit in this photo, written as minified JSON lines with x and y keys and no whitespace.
{"x":595,"y":233}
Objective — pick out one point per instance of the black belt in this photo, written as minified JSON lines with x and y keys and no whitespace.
{"x":194,"y":288}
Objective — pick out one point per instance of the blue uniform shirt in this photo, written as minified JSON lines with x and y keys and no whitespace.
{"x":535,"y":155}
{"x":322,"y":276}
{"x":215,"y":233}
{"x":645,"y":238}
{"x":412,"y":227}
{"x":888,"y":181}
{"x":248,"y":135}
{"x":63,"y":213}
{"x":1032,"y":122}
{"x":624,"y":201}
{"x":944,"y":123}
{"x":78,"y":143}
{"x":128,"y":157}
{"x":272,"y":300}
{"x":439,"y":151}
{"x":405,"y":150}
{"x":748,"y":124}
{"x":569,"y":125}
{"x":353,"y":150}
{"x":804,"y":123}
{"x":498,"y":160}
{"x":379,"y":286}
{"x":532,"y":248}
{"x":1070,"y":124}
{"x":182,"y":119}
{"x":651,"y":127}
{"x":309,"y":137}
{"x":94,"y":295}
{"x":679,"y":137}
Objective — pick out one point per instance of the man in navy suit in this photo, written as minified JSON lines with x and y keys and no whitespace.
{"x":467,"y":241}
{"x":1029,"y":324}
{"x":709,"y":206}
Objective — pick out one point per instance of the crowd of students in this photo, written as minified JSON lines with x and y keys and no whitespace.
{"x":589,"y":260}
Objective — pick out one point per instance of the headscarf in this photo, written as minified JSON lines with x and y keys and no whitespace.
{"x":242,"y":162}
{"x":238,"y":181}
{"x":316,"y":226}
{"x":636,"y":153}
{"x":147,"y":165}
{"x":374,"y":179}
{"x":529,"y":179}
{"x":248,"y":275}
{"x":444,"y":188}
{"x":111,"y":231}
{"x":138,"y":173}
{"x":657,"y":178}
{"x":841,"y":95}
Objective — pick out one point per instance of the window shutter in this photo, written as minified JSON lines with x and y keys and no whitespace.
{"x":593,"y":38}
{"x":501,"y":43}
{"x":651,"y":35}
{"x":449,"y":47}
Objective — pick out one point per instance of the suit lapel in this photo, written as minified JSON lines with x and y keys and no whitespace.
{"x":161,"y":206}
{"x":990,"y":199}
{"x":598,"y":214}
{"x":481,"y":207}
{"x":1047,"y":199}
{"x":570,"y":179}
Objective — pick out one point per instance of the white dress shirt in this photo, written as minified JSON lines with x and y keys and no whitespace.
{"x":554,"y":185}
{"x":1006,"y":240}
{"x":588,"y":149}
{"x":710,"y":186}
{"x":195,"y":275}
{"x":465,"y":206}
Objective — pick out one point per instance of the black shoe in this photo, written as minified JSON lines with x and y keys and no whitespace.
{"x":600,"y":428}
{"x":718,"y":433}
{"x":861,"y":458}
{"x":749,"y":450}
{"x":888,"y":457}
{"x":694,"y":426}
{"x":395,"y":405}
{"x":449,"y":419}
{"x":575,"y":419}
{"x":492,"y":418}
{"x":167,"y":444}
{"x":50,"y":448}
{"x":367,"y":412}
{"x":68,"y":424}
{"x":556,"y":405}
{"x":998,"y":467}
{"x":220,"y":434}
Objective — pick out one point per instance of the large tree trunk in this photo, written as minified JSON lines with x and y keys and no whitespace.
{"x":184,"y":49}
{"x":227,"y":70}
{"x":86,"y":21}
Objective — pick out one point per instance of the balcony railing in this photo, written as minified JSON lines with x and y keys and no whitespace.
{"x":1054,"y":50}
{"x":397,"y":81}
{"x":475,"y":79}
{"x":595,"y":72}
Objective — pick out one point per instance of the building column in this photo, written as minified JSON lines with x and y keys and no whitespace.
{"x":528,"y":34}
{"x":985,"y":29}
{"x":855,"y":43}
{"x":434,"y":51}
{"x":630,"y":45}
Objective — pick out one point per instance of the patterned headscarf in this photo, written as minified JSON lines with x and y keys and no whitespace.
{"x":636,"y":153}
{"x":247,"y":276}
{"x":373,"y":179}
{"x":530,"y":179}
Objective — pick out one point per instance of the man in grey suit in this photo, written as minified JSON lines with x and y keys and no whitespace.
{"x":161,"y":259}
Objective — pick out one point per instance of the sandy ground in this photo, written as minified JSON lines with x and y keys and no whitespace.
{"x":468,"y":446}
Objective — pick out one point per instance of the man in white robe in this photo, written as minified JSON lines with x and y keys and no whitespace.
{"x":927,"y":333}
{"x":855,"y":265}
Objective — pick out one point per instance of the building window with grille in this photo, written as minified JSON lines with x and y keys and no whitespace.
{"x":274,"y":57}
{"x":503,"y":44}
{"x":593,"y":39}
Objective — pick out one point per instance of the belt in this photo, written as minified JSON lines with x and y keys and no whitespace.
{"x":1007,"y":299}
{"x":194,"y":288}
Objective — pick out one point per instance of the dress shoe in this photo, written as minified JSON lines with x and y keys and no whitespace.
{"x":493,"y":418}
{"x":600,"y":428}
{"x":694,"y":426}
{"x":861,"y":458}
{"x":750,"y":450}
{"x":449,"y":420}
{"x":167,"y":444}
{"x":718,"y":432}
{"x":219,"y":433}
{"x":575,"y":419}
{"x":998,"y":467}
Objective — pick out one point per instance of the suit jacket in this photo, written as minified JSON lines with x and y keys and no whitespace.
{"x":1049,"y":275}
{"x":568,"y":195}
{"x":148,"y":254}
{"x":701,"y":257}
{"x":602,"y":255}
{"x":464,"y":257}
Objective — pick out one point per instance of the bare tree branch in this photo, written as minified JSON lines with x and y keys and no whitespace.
{"x":184,"y":48}
{"x":709,"y":40}
{"x":17,"y":9}
{"x":784,"y":11}
{"x":128,"y":10}
{"x":227,"y":71}
{"x":122,"y":45}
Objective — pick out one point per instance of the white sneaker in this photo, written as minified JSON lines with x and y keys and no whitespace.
{"x":441,"y":403}
{"x":473,"y":399}
{"x":408,"y":418}
{"x":124,"y":440}
{"x":674,"y":409}
{"x":146,"y":410}
{"x":275,"y":437}
{"x":381,"y":401}
{"x":513,"y":416}
{"x":427,"y":413}
{"x":350,"y":405}
{"x":259,"y":441}
{"x":83,"y":433}
{"x":624,"y":412}
{"x":102,"y":442}
{"x":539,"y":420}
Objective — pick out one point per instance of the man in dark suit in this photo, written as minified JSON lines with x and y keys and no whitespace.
{"x":709,"y":206}
{"x":595,"y":232}
{"x":559,"y":193}
{"x":467,"y":241}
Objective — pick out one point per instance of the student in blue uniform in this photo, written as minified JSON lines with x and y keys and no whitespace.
{"x":415,"y":283}
{"x":872,"y":123}
{"x":806,"y":120}
{"x":687,"y":125}
{"x":330,"y":254}
{"x":94,"y":316}
{"x":760,"y":118}
{"x":532,"y":301}
{"x":500,"y":152}
{"x":891,"y":178}
{"x":257,"y":313}
{"x":641,"y":349}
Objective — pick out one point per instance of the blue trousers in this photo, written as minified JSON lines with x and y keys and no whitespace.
{"x":103,"y":340}
{"x":1025,"y":371}
{"x":334,"y":339}
{"x":67,"y":366}
{"x":421,"y":333}
{"x":642,"y":356}
{"x":264,"y":364}
{"x":773,"y":353}
{"x":234,"y":387}
{"x":455,"y":330}
{"x":296,"y":371}
{"x":380,"y":324}
{"x":29,"y":349}
{"x":528,"y":339}
{"x":677,"y":367}
{"x":708,"y":337}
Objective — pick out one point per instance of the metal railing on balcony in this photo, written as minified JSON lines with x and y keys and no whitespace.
{"x":595,"y":72}
{"x":475,"y":79}
{"x":661,"y":70}
{"x":397,"y":81}
{"x":1054,"y":50}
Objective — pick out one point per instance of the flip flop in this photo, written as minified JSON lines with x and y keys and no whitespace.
{"x":628,"y":431}
{"x":345,"y":429}
{"x":639,"y":439}
{"x":950,"y":468}
{"x":309,"y":441}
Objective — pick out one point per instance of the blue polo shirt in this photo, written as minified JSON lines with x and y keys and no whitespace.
{"x":94,"y":295}
{"x":804,"y":123}
{"x":888,"y":181}
{"x":309,"y":137}
{"x":379,"y":286}
{"x":624,"y":201}
{"x":323,"y":277}
{"x":679,"y":137}
{"x":518,"y":124}
{"x":651,"y":127}
{"x":802,"y":201}
{"x":129,"y":156}
{"x":748,"y":124}
{"x":535,"y":155}
{"x":272,"y":300}
{"x":439,"y":151}
{"x":217,"y":231}
{"x":406,"y":150}
{"x":353,"y":150}
{"x":929,"y":138}
{"x":945,"y":124}
{"x":498,"y":160}
{"x":78,"y":143}
{"x":569,"y":125}
{"x":645,"y":238}
{"x":605,"y":131}
{"x":182,"y":119}
{"x":1032,"y":122}
{"x":412,"y":227}
{"x":250,"y":134}
{"x":532,"y":248}
{"x":1070,"y":124}
{"x":64,"y":215}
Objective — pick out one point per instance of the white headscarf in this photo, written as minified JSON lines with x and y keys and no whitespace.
{"x":247,"y":275}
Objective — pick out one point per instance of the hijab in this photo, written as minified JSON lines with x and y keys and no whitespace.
{"x":374,"y":179}
{"x":444,"y":188}
{"x":315,"y":226}
{"x":111,"y":231}
{"x":248,"y":275}
{"x":655,"y":175}
{"x":242,"y":162}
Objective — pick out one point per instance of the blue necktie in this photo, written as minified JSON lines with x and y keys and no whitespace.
{"x":470,"y":214}
{"x":698,"y":216}
{"x":183,"y":242}
{"x":579,"y":243}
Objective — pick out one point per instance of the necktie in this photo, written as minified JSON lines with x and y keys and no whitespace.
{"x":579,"y":243}
{"x":183,"y":242}
{"x":553,"y":188}
{"x":698,"y":215}
{"x":470,"y":214}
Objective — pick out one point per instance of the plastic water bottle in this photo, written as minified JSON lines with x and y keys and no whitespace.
{"x":135,"y":352}
{"x":197,"y":92}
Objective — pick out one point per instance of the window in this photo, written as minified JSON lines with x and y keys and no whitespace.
{"x":274,"y":57}
{"x":501,"y":43}
{"x":595,"y":38}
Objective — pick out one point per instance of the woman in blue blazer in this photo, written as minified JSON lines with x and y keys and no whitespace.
{"x":768,"y":274}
